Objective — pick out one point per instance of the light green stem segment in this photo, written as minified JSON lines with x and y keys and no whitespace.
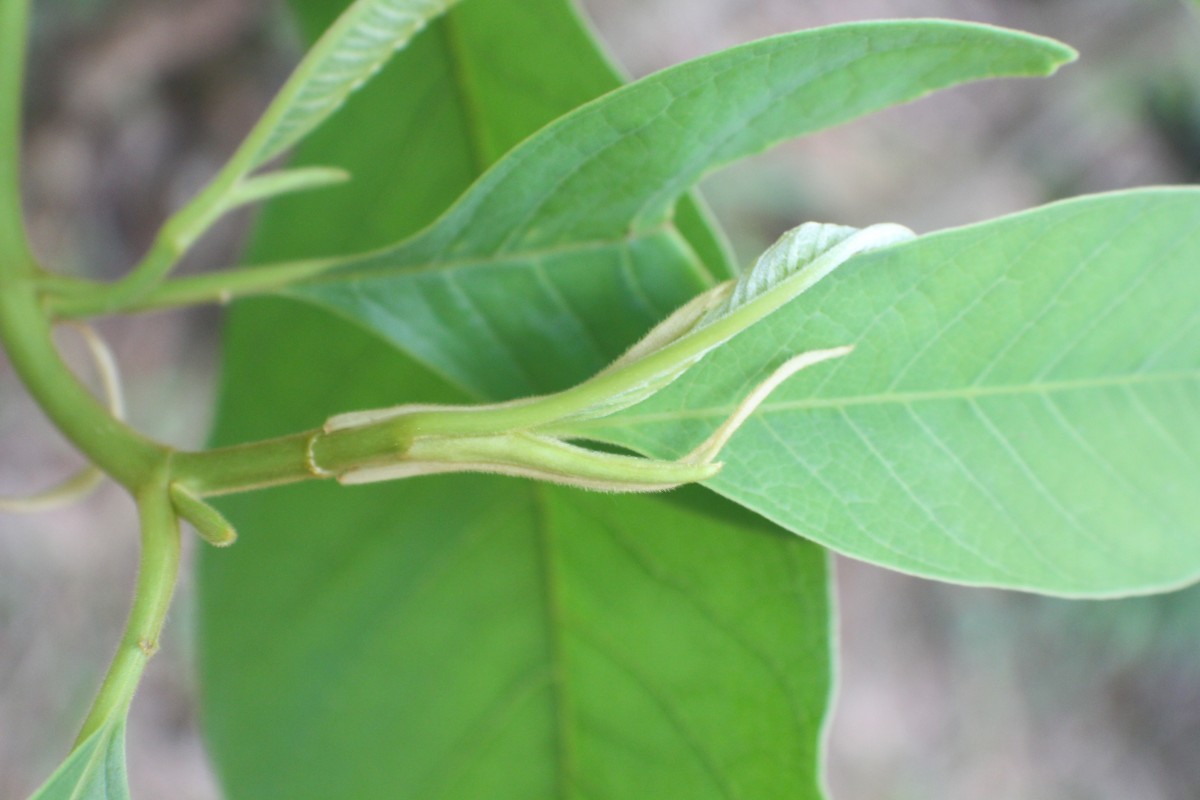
{"x":14,"y":22}
{"x":88,"y":299}
{"x":24,"y":328}
{"x":208,"y":522}
{"x":126,"y":455}
{"x":362,"y":39}
{"x":158,"y":570}
{"x":137,"y":462}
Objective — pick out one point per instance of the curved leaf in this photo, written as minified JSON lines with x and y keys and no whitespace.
{"x":1022,"y":408}
{"x":354,"y":48}
{"x":578,"y":215}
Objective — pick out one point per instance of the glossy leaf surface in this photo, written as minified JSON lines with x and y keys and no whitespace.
{"x":1022,"y":407}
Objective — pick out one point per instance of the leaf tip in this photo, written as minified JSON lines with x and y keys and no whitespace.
{"x":1057,"y":54}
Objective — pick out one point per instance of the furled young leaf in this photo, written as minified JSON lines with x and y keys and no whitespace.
{"x":454,"y":106}
{"x":94,"y":771}
{"x":350,"y":52}
{"x":353,"y":49}
{"x":479,"y":637}
{"x":1022,"y":407}
{"x":576,"y":220}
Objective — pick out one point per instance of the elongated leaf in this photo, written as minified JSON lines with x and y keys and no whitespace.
{"x":1022,"y":407}
{"x":354,"y":48}
{"x":454,"y":101}
{"x":94,"y":771}
{"x":483,"y":638}
{"x":578,"y":216}
{"x":350,"y":53}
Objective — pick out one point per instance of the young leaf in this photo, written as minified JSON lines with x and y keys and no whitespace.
{"x":353,"y":49}
{"x":94,"y":771}
{"x":794,"y":264}
{"x":1022,"y":407}
{"x":578,"y":215}
{"x":464,"y":115}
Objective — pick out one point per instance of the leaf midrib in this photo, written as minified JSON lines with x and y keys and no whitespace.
{"x":378,"y":269}
{"x":900,"y":398}
{"x":564,"y":746}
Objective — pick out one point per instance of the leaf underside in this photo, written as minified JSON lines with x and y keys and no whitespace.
{"x":1022,"y":408}
{"x":95,"y":770}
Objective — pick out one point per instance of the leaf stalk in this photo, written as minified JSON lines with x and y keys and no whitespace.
{"x":158,"y":572}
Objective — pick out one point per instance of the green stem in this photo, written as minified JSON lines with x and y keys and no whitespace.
{"x":174,"y":239}
{"x":245,"y":467}
{"x":14,"y":248}
{"x":25,"y":332}
{"x":289,"y":459}
{"x":158,"y":571}
{"x":26,"y":335}
{"x":216,"y":287}
{"x":24,"y":327}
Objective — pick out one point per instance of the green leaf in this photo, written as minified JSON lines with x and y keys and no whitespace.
{"x":576,"y":221}
{"x":454,"y":102}
{"x":95,"y":770}
{"x":475,"y":637}
{"x":350,"y":52}
{"x":799,"y":260}
{"x":356,"y":45}
{"x":1022,"y":408}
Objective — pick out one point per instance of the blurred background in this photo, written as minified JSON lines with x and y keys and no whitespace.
{"x":945,"y":692}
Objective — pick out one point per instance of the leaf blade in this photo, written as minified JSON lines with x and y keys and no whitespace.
{"x":768,"y":85}
{"x":601,"y":185}
{"x":326,"y":366}
{"x":95,"y":770}
{"x":1022,"y":398}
